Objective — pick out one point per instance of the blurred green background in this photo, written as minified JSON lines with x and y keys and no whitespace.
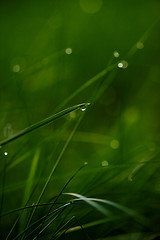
{"x":48,"y":50}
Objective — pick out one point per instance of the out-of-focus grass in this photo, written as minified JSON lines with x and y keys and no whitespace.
{"x":56,"y":54}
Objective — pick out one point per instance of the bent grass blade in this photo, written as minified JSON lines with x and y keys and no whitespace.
{"x":44,"y":122}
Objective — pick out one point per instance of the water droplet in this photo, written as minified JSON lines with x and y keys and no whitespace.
{"x":85,"y":163}
{"x":116,"y":54}
{"x":105,"y":163}
{"x":120,"y":65}
{"x":140,"y":45}
{"x":16,"y":68}
{"x":68,"y":50}
{"x":5,"y":153}
{"x":84,"y":107}
{"x":114,"y":144}
{"x":123,"y":64}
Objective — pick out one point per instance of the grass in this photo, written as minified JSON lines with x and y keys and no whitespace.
{"x":89,"y":170}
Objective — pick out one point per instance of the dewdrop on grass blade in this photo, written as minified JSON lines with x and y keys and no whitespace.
{"x":83,"y":108}
{"x":5,"y":153}
{"x":68,"y":51}
{"x":105,"y":163}
{"x":123,"y":64}
{"x":16,"y":68}
{"x":116,"y":54}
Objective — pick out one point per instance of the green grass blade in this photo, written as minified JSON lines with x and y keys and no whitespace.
{"x":89,"y":83}
{"x":44,"y":122}
{"x":92,"y":202}
{"x":56,"y":163}
{"x":41,"y":219}
{"x":29,"y":184}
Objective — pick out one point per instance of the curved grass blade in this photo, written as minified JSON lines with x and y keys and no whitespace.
{"x":41,"y":219}
{"x":56,"y":163}
{"x":63,"y":229}
{"x":92,"y":202}
{"x":43,"y":122}
{"x":28,"y":207}
{"x":64,"y":186}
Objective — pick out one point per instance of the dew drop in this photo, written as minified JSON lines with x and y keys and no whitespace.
{"x":116,"y":54}
{"x":120,"y":65}
{"x":83,"y":109}
{"x":85,"y":163}
{"x":104,"y":164}
{"x":123,"y":64}
{"x":5,"y":153}
{"x":68,"y":51}
{"x":16,"y":68}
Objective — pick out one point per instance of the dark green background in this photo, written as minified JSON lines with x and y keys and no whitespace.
{"x":34,"y":35}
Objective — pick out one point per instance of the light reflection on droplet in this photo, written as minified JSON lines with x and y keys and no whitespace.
{"x":114,"y":144}
{"x":123,"y":64}
{"x":120,"y":65}
{"x":5,"y":153}
{"x":68,"y":50}
{"x":140,"y":45}
{"x":85,"y":163}
{"x":16,"y":68}
{"x":83,"y":109}
{"x":116,"y":54}
{"x":105,"y":163}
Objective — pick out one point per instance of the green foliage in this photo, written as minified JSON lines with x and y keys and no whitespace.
{"x":88,"y":170}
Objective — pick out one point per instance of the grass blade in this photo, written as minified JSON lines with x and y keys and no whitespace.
{"x":43,"y":122}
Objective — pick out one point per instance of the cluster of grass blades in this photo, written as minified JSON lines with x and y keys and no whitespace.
{"x":70,"y":215}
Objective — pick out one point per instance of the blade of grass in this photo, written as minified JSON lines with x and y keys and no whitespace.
{"x":61,"y":231}
{"x":62,"y":192}
{"x":39,"y":220}
{"x":92,"y":202}
{"x":89,"y":83}
{"x":43,"y":122}
{"x":56,"y":164}
{"x":28,"y":207}
{"x":29,"y":184}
